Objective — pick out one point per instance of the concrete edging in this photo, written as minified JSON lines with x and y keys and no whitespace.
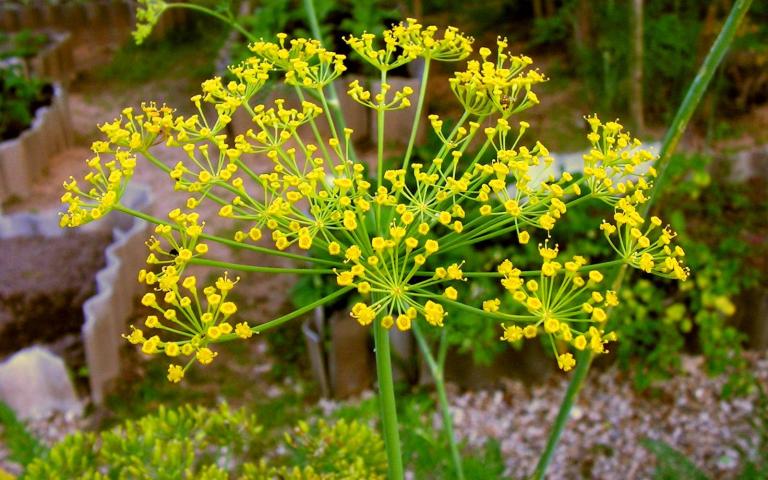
{"x":105,"y":313}
{"x":27,"y":157}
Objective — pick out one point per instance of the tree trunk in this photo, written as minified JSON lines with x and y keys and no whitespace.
{"x":636,"y":75}
{"x":582,"y":26}
{"x":550,"y":7}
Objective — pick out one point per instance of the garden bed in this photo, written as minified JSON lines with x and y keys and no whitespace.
{"x":91,"y":22}
{"x":45,"y":54}
{"x":25,"y":159}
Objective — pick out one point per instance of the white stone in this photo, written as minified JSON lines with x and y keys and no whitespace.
{"x":35,"y":383}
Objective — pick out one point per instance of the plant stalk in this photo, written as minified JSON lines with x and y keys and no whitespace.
{"x":671,"y":139}
{"x":697,"y":89}
{"x":417,"y":115}
{"x":333,"y":103}
{"x":229,"y":21}
{"x":437,"y":370}
{"x":583,"y":362}
{"x":387,"y":402}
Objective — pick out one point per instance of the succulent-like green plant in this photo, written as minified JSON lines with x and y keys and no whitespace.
{"x":213,"y":444}
{"x":187,"y":442}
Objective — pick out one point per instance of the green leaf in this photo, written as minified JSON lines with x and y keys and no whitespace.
{"x":672,"y":465}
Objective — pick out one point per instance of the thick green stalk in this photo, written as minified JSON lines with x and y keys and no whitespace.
{"x":387,"y":402}
{"x":383,"y":355}
{"x":583,"y":362}
{"x":671,"y":139}
{"x":437,"y":370}
{"x":698,"y":88}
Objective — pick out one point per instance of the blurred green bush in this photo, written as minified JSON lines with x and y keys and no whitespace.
{"x":210,"y":444}
{"x":20,"y":96}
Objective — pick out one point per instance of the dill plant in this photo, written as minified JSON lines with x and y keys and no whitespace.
{"x":381,"y":229}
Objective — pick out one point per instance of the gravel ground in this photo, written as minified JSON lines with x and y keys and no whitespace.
{"x":609,"y":421}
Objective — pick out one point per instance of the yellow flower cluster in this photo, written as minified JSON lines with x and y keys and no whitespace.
{"x":305,"y":62}
{"x":502,"y":87}
{"x":563,"y":304}
{"x":147,"y":15}
{"x":648,"y":248}
{"x":390,"y":55}
{"x":380,"y":236}
{"x":182,"y":237}
{"x":616,"y":165}
{"x":409,"y":40}
{"x":452,"y":47}
{"x":250,"y":76}
{"x":387,"y":275}
{"x":398,"y":101}
{"x":181,"y":315}
{"x":107,"y":184}
{"x":189,"y":320}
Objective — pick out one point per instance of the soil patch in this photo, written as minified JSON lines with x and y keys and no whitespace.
{"x":43,"y":285}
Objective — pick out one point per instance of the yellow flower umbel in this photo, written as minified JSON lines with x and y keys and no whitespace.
{"x":648,"y":248}
{"x":305,"y":62}
{"x":616,"y":166}
{"x":502,"y":87}
{"x":395,"y":51}
{"x":452,"y":47}
{"x":106,"y":185}
{"x":565,"y":304}
{"x":182,"y":236}
{"x":389,"y":238}
{"x":188,"y":319}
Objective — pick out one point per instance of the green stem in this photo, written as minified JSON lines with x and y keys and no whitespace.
{"x":229,"y":21}
{"x":227,"y":242}
{"x":387,"y":401}
{"x":417,"y":115}
{"x":437,"y":371}
{"x":314,"y":25}
{"x":583,"y":362}
{"x":290,"y":316}
{"x":697,"y":89}
{"x":257,"y":269}
{"x":675,"y":132}
{"x":333,"y":103}
{"x":380,"y":136}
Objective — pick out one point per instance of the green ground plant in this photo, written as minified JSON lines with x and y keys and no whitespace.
{"x":23,"y":447}
{"x":24,"y":43}
{"x":209,"y":444}
{"x":19,"y":98}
